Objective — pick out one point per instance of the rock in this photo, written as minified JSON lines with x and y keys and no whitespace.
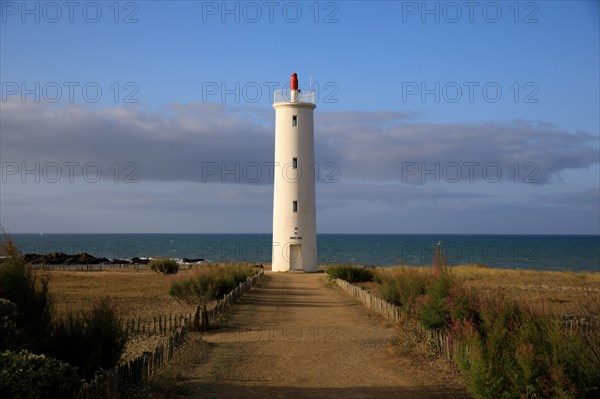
{"x":139,"y":261}
{"x":59,"y":258}
{"x":31,"y":258}
{"x":192,"y":260}
{"x":119,"y":262}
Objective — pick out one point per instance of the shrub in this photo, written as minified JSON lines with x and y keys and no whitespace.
{"x":24,"y":375}
{"x":351,"y":273}
{"x":487,"y":355}
{"x":462,"y":304}
{"x":20,"y":285}
{"x":390,"y":291}
{"x":435,"y":297}
{"x":503,"y":349}
{"x":403,"y":287}
{"x":516,"y":353}
{"x":92,"y":341}
{"x":211,"y":282}
{"x":164,"y":265}
{"x":434,"y":311}
{"x":8,"y":324}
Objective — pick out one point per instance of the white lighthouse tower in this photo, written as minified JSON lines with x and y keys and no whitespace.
{"x":294,"y":216}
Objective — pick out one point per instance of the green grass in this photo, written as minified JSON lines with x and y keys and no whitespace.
{"x":513,"y":352}
{"x":403,"y":287}
{"x":164,"y":265}
{"x":350,"y":273}
{"x":211,"y":282}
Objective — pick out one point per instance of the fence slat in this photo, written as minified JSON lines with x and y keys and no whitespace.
{"x":110,"y":384}
{"x":439,"y":339}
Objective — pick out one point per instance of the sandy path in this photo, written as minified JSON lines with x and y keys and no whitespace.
{"x":293,"y":337}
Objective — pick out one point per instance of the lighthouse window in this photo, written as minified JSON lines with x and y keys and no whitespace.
{"x":295,"y":163}
{"x":295,"y":206}
{"x":294,"y":120}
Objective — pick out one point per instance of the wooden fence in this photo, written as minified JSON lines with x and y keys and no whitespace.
{"x":112,"y":383}
{"x":586,"y":326}
{"x":381,"y":306}
{"x":157,"y":325}
{"x":88,"y":268}
{"x":439,"y":340}
{"x":205,"y":315}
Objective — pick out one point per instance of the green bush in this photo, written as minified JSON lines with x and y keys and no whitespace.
{"x":8,"y":324}
{"x":211,"y":282}
{"x":351,"y":273}
{"x":390,"y":291}
{"x":489,"y":352}
{"x":91,"y":341}
{"x":515,"y":353}
{"x":403,"y":287}
{"x":184,"y":290}
{"x":437,"y":299}
{"x":23,"y":287}
{"x":164,"y":265}
{"x":24,"y":375}
{"x":463,"y":305}
{"x":434,"y":312}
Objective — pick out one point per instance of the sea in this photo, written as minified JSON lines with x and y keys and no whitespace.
{"x":535,"y":252}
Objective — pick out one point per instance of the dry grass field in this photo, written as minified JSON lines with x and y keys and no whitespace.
{"x":144,"y":293}
{"x":566,"y":293}
{"x":135,"y":293}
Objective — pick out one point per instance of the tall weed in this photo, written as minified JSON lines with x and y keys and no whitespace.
{"x":211,"y":282}
{"x":350,"y":273}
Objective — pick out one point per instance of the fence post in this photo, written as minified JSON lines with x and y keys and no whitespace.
{"x":197,"y":325}
{"x":204,"y":317}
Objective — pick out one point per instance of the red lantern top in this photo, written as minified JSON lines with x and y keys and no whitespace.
{"x":294,"y":82}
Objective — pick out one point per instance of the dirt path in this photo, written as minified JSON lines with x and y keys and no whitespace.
{"x":293,"y":337}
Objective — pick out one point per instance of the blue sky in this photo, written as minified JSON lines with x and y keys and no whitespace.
{"x":499,"y":103}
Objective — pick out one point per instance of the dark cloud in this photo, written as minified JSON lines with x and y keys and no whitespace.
{"x":212,"y":142}
{"x":588,"y":199}
{"x":422,"y":152}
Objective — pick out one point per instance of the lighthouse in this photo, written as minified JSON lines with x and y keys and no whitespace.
{"x":294,"y":210}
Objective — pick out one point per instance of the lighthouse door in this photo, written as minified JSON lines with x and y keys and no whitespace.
{"x":296,"y":257}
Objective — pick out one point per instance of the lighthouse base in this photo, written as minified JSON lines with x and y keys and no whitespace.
{"x":294,"y":257}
